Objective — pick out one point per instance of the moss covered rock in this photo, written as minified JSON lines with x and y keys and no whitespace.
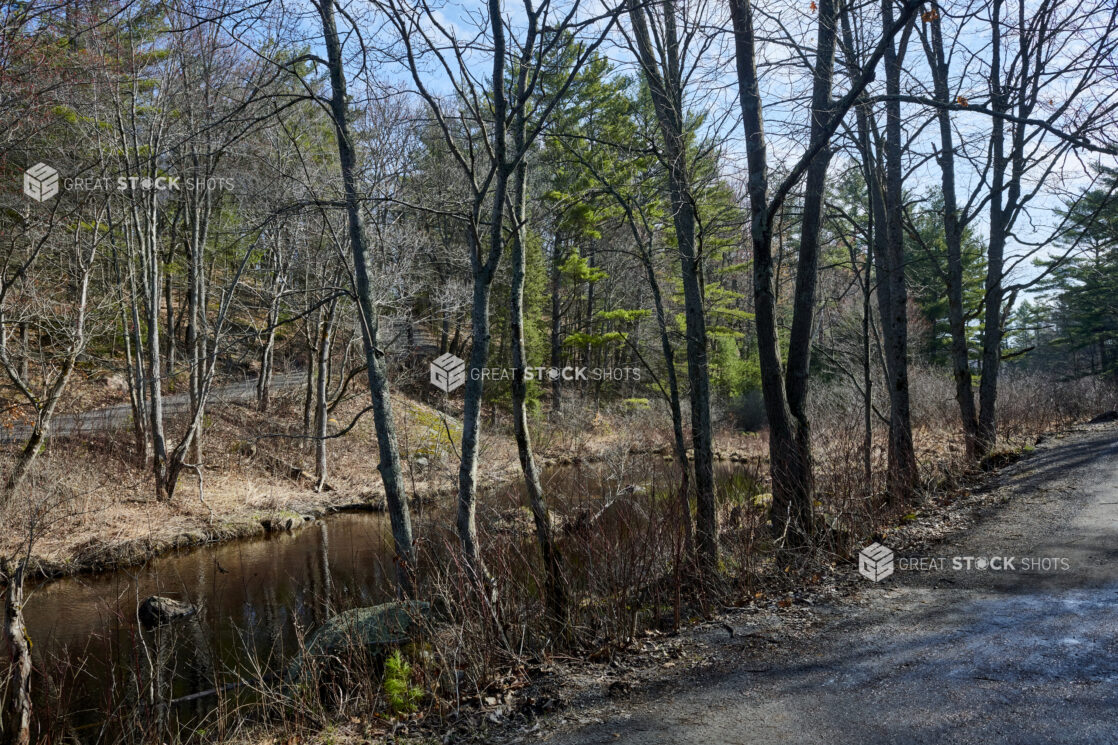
{"x":372,"y":630}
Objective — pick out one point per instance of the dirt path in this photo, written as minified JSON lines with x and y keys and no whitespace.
{"x":933,"y":656}
{"x":120,"y":416}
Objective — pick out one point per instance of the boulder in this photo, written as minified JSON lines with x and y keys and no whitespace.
{"x":372,"y":630}
{"x":281,"y":523}
{"x":117,"y":383}
{"x":158,"y":610}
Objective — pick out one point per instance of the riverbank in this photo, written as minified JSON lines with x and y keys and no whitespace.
{"x":92,"y":506}
{"x":625,"y":593}
{"x":943,"y":656}
{"x":92,"y":509}
{"x":805,"y":629}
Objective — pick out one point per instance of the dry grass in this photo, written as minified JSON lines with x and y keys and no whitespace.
{"x":93,"y":504}
{"x":627,"y":571}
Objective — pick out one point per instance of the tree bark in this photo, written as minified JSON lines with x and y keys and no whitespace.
{"x":389,"y":466}
{"x":953,"y":234}
{"x":665,"y":84}
{"x":18,"y":720}
{"x":555,"y":588}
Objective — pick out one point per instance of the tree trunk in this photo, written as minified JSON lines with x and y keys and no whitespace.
{"x":795,"y":518}
{"x":873,"y":243}
{"x":678,"y":440}
{"x":953,"y":233}
{"x":389,"y":466}
{"x":17,"y":722}
{"x":484,"y":270}
{"x":134,"y":350}
{"x":1005,"y":195}
{"x":24,"y":350}
{"x":894,"y":314}
{"x":789,"y":444}
{"x":168,"y":300}
{"x":556,"y":331}
{"x":555,"y":584}
{"x":444,"y":334}
{"x":309,"y":387}
{"x":267,"y":354}
{"x":667,"y":101}
{"x":196,"y":314}
{"x":867,"y":365}
{"x":325,"y":341}
{"x":264,"y":380}
{"x":153,"y":285}
{"x":466,"y":520}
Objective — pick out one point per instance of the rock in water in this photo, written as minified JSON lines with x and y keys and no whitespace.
{"x":158,"y":610}
{"x":371,"y":630}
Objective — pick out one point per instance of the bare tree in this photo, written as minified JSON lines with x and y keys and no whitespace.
{"x":70,"y":243}
{"x":384,"y":422}
{"x":1047,"y":100}
{"x":661,"y":49}
{"x":892,"y":292}
{"x":789,"y":438}
{"x":478,"y":138}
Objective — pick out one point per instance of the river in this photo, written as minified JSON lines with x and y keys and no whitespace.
{"x":253,"y":596}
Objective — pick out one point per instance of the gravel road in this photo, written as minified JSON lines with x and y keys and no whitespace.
{"x":935,"y":655}
{"x":117,"y":417}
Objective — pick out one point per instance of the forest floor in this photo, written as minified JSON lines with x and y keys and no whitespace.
{"x":930,"y":654}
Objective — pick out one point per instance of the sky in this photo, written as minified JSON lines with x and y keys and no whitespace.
{"x":786,"y":33}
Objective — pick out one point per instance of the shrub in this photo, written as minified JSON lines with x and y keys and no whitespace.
{"x":402,"y":695}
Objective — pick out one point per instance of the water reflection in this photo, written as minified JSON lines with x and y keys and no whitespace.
{"x":251,"y":595}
